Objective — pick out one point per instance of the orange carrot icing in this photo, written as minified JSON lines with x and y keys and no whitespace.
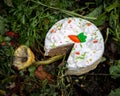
{"x":74,"y":38}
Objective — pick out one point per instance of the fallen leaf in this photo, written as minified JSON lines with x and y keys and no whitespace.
{"x":41,"y":74}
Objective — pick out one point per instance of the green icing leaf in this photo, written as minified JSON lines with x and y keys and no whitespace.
{"x":82,"y":37}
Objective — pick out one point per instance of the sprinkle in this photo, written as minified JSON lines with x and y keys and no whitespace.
{"x":89,"y":24}
{"x":52,"y":31}
{"x":77,"y":53}
{"x":69,"y":21}
{"x":95,"y":41}
{"x":90,"y":59}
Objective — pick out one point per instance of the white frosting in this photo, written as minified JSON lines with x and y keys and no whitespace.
{"x":84,"y":53}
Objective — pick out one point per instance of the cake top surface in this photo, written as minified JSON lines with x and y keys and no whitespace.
{"x":88,"y":41}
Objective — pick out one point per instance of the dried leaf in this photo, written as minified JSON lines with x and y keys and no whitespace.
{"x":42,"y":75}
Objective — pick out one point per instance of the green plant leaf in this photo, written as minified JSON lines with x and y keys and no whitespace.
{"x":114,"y":71}
{"x":3,"y":25}
{"x":115,"y":92}
{"x":112,"y":6}
{"x":96,"y":12}
{"x":31,"y":69}
{"x":100,"y":20}
{"x":1,"y":38}
{"x":98,"y":2}
{"x":7,"y":38}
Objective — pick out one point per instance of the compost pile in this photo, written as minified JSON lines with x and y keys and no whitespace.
{"x":26,"y":22}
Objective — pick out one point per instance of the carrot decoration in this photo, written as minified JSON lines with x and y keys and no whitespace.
{"x":82,"y":37}
{"x":78,"y":38}
{"x":74,"y":38}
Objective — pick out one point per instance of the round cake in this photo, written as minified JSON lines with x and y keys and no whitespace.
{"x":88,"y":43}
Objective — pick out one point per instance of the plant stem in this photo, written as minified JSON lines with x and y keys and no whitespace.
{"x":107,"y":34}
{"x":71,"y":13}
{"x":49,"y":61}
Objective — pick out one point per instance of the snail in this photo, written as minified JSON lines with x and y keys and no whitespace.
{"x":24,"y":57}
{"x":80,"y":37}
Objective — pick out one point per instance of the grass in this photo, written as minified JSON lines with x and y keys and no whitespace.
{"x":31,"y":20}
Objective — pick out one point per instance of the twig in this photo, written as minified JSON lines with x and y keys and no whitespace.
{"x":99,"y":74}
